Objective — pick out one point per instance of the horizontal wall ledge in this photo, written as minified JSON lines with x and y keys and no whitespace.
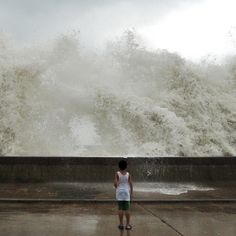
{"x":54,"y":160}
{"x":90,"y":201}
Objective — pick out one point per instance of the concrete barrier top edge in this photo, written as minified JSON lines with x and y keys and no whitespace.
{"x":53,"y":160}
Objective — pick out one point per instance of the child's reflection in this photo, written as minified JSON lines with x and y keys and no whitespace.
{"x":125,"y":233}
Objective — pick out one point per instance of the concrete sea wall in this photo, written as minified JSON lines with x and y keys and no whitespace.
{"x":101,"y":169}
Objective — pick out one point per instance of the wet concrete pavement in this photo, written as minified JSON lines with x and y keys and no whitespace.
{"x":101,"y":219}
{"x":155,"y":191}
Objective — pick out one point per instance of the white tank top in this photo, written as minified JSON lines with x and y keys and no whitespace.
{"x":123,"y":188}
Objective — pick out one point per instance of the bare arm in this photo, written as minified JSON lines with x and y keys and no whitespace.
{"x":116,"y":180}
{"x":131,"y":186}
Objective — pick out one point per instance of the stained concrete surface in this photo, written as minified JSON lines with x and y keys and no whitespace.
{"x":105,"y":191}
{"x":101,"y":220}
{"x":198,"y":219}
{"x":100,"y":169}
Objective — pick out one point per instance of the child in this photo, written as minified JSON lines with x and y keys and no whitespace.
{"x":124,"y":191}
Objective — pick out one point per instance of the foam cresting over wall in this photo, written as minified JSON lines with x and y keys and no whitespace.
{"x":58,"y":98}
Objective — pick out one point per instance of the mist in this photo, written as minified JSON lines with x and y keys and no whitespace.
{"x":193,"y":29}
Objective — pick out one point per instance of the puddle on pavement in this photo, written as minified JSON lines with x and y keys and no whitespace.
{"x":169,"y":188}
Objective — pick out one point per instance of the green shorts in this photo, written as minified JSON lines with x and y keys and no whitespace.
{"x":123,"y":205}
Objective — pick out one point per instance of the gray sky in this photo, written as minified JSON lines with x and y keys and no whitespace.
{"x":193,"y":28}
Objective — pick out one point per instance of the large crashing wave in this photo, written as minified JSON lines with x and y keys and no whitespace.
{"x":59,"y":99}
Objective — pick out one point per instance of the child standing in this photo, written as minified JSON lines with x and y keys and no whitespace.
{"x":124,"y":191}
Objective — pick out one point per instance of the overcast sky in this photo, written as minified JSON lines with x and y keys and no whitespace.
{"x":193,"y":28}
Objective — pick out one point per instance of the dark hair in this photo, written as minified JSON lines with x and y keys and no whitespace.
{"x":122,"y":164}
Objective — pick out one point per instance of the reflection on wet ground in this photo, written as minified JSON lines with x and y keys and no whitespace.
{"x":105,"y":191}
{"x":170,"y":188}
{"x":101,"y":220}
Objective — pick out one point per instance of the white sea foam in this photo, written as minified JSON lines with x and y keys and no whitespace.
{"x":59,"y":99}
{"x":170,"y":188}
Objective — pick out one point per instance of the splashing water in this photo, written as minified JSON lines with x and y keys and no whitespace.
{"x":169,"y":188}
{"x":59,"y":99}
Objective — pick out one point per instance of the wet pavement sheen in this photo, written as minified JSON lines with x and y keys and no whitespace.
{"x":106,"y":191}
{"x":101,"y":220}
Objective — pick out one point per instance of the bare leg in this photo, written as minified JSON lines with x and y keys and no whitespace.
{"x":121,"y":216}
{"x":127,"y":215}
